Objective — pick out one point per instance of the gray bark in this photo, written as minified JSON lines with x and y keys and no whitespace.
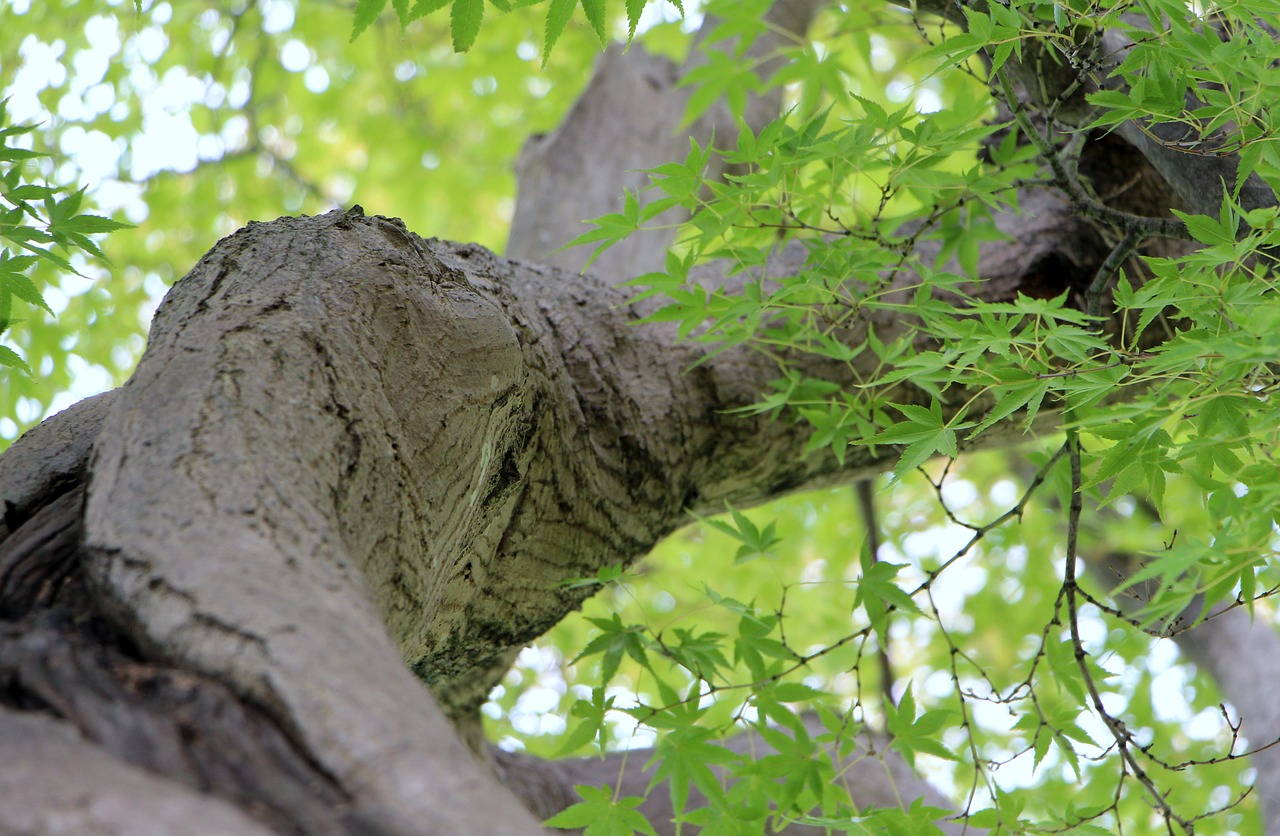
{"x":70,"y":786}
{"x":340,"y":429}
{"x":626,"y":121}
{"x":354,"y":461}
{"x":1242,"y":655}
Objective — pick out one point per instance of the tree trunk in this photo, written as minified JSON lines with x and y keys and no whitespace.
{"x":340,"y":430}
{"x":354,"y":461}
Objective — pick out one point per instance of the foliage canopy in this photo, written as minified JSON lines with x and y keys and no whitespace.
{"x":1144,"y":397}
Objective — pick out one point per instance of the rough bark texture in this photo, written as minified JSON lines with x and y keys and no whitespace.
{"x":549,"y":438}
{"x":354,"y":461}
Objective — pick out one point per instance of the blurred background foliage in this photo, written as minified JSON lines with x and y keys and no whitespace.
{"x":192,"y":119}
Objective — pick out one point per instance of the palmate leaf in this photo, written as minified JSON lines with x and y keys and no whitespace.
{"x":591,"y":724}
{"x":615,"y":640}
{"x":756,"y":542}
{"x":685,"y":757}
{"x":912,"y":735}
{"x":598,"y":814}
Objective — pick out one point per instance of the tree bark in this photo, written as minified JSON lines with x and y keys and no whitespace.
{"x":340,"y":430}
{"x":354,"y":461}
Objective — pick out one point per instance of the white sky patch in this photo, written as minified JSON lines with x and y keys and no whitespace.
{"x":41,"y":68}
{"x":959,"y":494}
{"x":277,"y":16}
{"x":655,"y":14}
{"x":882,"y":57}
{"x":294,"y":55}
{"x":1003,"y":492}
{"x":168,"y":142}
{"x":316,"y":79}
{"x":95,"y":153}
{"x":928,"y":101}
{"x":149,"y":45}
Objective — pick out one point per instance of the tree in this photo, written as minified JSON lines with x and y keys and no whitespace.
{"x":348,"y":448}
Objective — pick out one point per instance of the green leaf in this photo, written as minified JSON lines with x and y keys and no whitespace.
{"x":684,"y":758}
{"x":756,"y":542}
{"x":22,"y":287}
{"x":88,"y":225}
{"x":558,"y":14}
{"x":600,"y":815}
{"x":422,"y":8}
{"x":464,"y":23}
{"x":794,"y":692}
{"x":595,"y":12}
{"x":1206,"y":230}
{"x":367,"y":12}
{"x":11,"y":359}
{"x":615,"y":640}
{"x":591,"y":725}
{"x":634,"y":9}
{"x":29,"y":192}
{"x":10,"y":154}
{"x":912,"y":735}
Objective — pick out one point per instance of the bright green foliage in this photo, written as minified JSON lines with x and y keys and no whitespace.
{"x":1178,"y":412}
{"x":279,"y":114}
{"x":466,"y":17}
{"x":889,"y":166}
{"x":39,"y":225}
{"x":599,"y":814}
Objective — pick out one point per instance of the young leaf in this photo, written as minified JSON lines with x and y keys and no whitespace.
{"x":558,"y":14}
{"x":367,"y":12}
{"x":599,"y":815}
{"x":464,"y":23}
{"x":634,"y":8}
{"x":594,"y":10}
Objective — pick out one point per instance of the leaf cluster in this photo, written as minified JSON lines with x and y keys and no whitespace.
{"x":38,"y":224}
{"x":466,"y":17}
{"x":1161,"y":368}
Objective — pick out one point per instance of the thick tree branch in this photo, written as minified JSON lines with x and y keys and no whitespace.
{"x":877,"y":778}
{"x":478,"y":430}
{"x":54,"y":781}
{"x":627,"y":120}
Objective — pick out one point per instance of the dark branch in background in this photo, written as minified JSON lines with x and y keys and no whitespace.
{"x":864,"y":490}
{"x":1123,"y":737}
{"x":1082,"y":200}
